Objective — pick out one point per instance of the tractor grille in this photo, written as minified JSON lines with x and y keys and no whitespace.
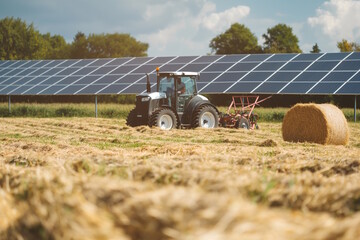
{"x":142,"y":108}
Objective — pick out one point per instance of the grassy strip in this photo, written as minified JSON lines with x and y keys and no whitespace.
{"x":120,"y":111}
{"x":65,"y":110}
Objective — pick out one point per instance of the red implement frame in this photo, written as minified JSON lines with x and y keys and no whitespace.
{"x":240,"y":112}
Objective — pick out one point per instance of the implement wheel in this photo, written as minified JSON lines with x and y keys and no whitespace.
{"x":244,"y":123}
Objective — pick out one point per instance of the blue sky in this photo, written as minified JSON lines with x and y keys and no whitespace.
{"x":185,"y":27}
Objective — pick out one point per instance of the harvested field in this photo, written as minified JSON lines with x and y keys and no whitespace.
{"x":86,"y":178}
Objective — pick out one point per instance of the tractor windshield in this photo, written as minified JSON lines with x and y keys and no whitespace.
{"x":167,"y":86}
{"x":185,"y":85}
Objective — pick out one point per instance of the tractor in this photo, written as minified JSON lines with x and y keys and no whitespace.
{"x":175,"y":104}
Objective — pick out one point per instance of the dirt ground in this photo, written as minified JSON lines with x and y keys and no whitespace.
{"x":86,"y":178}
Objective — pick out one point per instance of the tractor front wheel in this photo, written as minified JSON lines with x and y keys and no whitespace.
{"x":131,"y":119}
{"x":163,"y":118}
{"x":205,"y":117}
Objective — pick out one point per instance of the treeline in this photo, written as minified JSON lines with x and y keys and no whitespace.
{"x":278,"y":39}
{"x":19,"y":40}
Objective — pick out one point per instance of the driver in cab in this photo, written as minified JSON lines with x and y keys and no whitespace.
{"x":180,"y":87}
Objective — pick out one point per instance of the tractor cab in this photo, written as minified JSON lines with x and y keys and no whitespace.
{"x":179,"y":87}
{"x":175,"y":104}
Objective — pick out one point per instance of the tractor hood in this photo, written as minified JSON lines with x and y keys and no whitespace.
{"x":153,"y":95}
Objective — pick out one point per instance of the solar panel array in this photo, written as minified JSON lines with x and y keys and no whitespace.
{"x":323,"y":73}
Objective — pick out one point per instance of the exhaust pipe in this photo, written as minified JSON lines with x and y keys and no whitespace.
{"x":148,"y":87}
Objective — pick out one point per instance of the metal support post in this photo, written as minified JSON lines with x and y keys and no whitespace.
{"x":96,"y":106}
{"x":9,"y":104}
{"x":355,"y":109}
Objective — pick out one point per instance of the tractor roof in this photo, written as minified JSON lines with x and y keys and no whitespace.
{"x":180,"y":73}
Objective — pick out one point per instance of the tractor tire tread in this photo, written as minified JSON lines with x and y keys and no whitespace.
{"x":131,"y":119}
{"x":153,"y":119}
{"x":196,"y":115}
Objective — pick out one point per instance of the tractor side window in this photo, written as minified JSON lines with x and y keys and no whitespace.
{"x":189,"y":83}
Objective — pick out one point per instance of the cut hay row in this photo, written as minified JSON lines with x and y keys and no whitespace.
{"x":85,"y":179}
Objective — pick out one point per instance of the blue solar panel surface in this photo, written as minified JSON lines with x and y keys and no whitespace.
{"x":323,"y":73}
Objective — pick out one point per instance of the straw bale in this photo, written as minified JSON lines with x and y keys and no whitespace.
{"x":316,"y":123}
{"x":8,"y":212}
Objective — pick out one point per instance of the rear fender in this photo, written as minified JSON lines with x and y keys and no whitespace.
{"x":195,"y":103}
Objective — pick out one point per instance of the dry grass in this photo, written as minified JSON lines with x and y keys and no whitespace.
{"x":86,"y":178}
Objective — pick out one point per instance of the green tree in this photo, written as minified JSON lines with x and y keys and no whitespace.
{"x":315,"y":49}
{"x":280,"y":39}
{"x":115,"y":45}
{"x":79,"y":48}
{"x":19,"y":40}
{"x":237,"y":39}
{"x":56,"y":47}
{"x":346,"y":46}
{"x":107,"y":46}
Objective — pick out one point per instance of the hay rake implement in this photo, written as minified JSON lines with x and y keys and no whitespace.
{"x":240,"y":112}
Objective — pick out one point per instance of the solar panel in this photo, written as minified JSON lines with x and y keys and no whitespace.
{"x":269,"y":66}
{"x":322,"y":66}
{"x":350,"y":88}
{"x":92,"y":89}
{"x":70,"y":89}
{"x":296,"y":88}
{"x":296,"y":66}
{"x":283,"y":76}
{"x":308,"y":57}
{"x":35,"y":90}
{"x":257,"y":57}
{"x":355,"y":78}
{"x":113,"y":88}
{"x":338,"y":76}
{"x":354,"y":55}
{"x":282,"y":57}
{"x":232,"y":58}
{"x":208,"y":77}
{"x":100,"y":62}
{"x":217,"y":87}
{"x":256,"y":76}
{"x":349,"y":65}
{"x":326,"y":87}
{"x":334,"y":56}
{"x":242,"y":87}
{"x":183,"y":59}
{"x":269,"y":87}
{"x":194,"y":67}
{"x":217,"y":67}
{"x":322,"y":73}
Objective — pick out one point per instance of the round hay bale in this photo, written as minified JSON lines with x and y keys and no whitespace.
{"x":317,"y":123}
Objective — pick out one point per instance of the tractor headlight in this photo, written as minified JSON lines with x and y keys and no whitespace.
{"x":145,"y":99}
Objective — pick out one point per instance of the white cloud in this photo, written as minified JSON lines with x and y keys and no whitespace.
{"x":189,"y":29}
{"x":218,"y":21}
{"x":338,"y":19}
{"x":181,"y":27}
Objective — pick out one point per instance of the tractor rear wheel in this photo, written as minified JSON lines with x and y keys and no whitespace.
{"x":205,"y":117}
{"x":164,"y":118}
{"x":131,"y":119}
